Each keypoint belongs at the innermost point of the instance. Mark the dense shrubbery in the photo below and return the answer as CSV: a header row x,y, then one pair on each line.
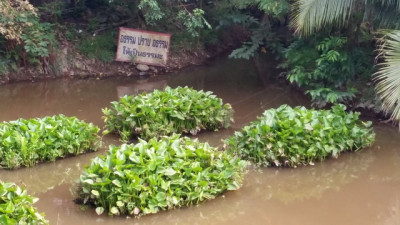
x,y
327,70
175,110
27,142
298,136
16,206
158,175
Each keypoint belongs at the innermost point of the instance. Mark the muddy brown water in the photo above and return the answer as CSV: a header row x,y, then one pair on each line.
x,y
357,188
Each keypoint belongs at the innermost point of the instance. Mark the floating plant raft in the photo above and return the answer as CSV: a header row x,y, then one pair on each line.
x,y
16,206
28,142
298,136
159,113
158,175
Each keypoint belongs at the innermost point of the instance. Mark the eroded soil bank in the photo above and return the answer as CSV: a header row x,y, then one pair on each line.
x,y
67,62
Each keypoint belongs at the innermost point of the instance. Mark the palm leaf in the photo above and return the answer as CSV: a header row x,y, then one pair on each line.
x,y
389,3
311,15
388,76
386,13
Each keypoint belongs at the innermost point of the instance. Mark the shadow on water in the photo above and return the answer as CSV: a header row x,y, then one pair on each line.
x,y
357,188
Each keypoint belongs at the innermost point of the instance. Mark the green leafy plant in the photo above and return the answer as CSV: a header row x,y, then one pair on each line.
x,y
27,142
152,11
158,175
38,40
327,69
298,136
175,110
348,14
26,38
193,21
53,10
16,206
259,17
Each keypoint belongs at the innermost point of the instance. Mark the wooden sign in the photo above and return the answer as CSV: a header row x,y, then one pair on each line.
x,y
143,47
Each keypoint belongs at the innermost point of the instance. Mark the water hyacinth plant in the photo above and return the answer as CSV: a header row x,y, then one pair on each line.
x,y
175,110
298,136
158,175
16,206
27,142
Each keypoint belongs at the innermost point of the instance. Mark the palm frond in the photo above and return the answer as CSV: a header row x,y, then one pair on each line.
x,y
387,78
386,13
389,3
311,15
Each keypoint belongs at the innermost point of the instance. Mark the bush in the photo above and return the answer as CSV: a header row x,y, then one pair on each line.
x,y
158,175
16,206
327,69
179,110
298,136
27,142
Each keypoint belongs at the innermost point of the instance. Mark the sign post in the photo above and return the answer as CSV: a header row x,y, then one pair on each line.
x,y
143,47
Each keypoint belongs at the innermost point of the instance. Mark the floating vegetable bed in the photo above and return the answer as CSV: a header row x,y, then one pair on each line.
x,y
158,175
16,206
298,136
27,142
179,110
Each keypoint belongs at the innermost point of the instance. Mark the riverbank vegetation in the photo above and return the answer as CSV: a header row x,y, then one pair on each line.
x,y
28,142
159,113
158,175
16,206
330,55
298,136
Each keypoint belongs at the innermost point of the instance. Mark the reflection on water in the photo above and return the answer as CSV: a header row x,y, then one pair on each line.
x,y
357,188
141,86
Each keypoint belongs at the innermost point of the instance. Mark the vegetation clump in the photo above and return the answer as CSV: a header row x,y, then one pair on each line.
x,y
16,206
158,175
27,142
175,110
298,136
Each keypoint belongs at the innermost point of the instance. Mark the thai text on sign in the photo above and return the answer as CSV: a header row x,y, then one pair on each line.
x,y
143,47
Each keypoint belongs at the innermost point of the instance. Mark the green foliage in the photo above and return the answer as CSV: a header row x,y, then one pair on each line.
x,y
298,136
158,175
27,142
38,40
53,10
356,16
276,8
152,11
20,26
15,17
193,21
249,48
101,47
327,69
16,206
175,110
3,66
262,35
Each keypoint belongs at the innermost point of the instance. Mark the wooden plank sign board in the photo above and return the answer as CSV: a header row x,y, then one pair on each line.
x,y
143,47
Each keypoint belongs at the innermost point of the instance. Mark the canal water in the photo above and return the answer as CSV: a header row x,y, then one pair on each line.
x,y
357,188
